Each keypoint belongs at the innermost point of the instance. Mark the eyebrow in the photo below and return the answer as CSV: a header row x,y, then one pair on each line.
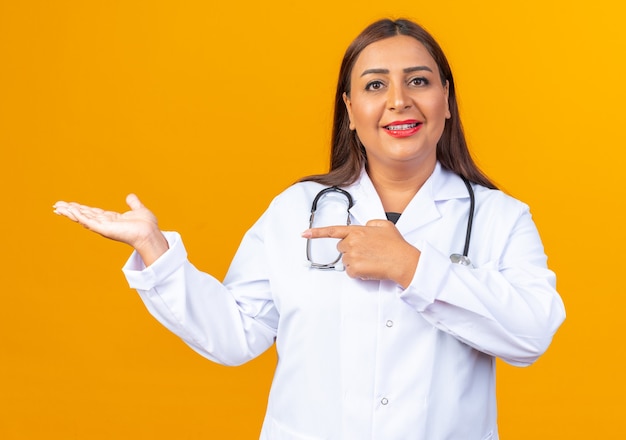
x,y
405,70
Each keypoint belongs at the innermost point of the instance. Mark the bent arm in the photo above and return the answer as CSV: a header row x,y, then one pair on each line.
x,y
507,307
201,310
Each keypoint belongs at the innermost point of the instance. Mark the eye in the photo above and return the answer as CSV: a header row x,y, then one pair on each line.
x,y
374,85
419,81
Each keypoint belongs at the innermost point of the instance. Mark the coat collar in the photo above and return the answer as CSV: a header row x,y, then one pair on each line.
x,y
422,209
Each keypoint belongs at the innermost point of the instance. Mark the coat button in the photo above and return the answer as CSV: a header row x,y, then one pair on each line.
x,y
389,323
384,401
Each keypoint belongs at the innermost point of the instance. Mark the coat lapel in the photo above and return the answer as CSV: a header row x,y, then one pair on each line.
x,y
423,209
367,205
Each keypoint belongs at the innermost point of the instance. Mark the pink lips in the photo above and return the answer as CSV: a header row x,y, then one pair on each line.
x,y
400,129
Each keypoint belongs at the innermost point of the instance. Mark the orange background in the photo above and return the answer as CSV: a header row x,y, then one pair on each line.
x,y
207,110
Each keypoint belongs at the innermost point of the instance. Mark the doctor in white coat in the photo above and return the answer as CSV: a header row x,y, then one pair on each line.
x,y
420,276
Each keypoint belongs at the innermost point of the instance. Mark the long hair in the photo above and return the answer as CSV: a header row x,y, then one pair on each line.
x,y
348,156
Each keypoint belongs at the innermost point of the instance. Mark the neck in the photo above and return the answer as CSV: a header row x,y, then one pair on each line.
x,y
397,187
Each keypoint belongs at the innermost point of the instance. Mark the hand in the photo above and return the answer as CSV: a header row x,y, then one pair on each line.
x,y
137,227
376,251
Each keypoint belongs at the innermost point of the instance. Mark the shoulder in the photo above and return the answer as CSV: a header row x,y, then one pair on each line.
x,y
497,200
293,203
499,215
448,186
298,193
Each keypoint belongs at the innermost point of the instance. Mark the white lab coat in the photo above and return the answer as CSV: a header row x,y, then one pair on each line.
x,y
368,359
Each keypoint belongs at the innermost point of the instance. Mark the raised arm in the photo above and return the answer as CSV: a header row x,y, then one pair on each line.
x,y
137,227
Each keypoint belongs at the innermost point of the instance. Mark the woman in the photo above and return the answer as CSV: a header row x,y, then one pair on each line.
x,y
402,344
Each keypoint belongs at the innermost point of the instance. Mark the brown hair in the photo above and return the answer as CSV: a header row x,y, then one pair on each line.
x,y
348,154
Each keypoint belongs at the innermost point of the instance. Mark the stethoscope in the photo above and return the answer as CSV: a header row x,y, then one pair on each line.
x,y
461,259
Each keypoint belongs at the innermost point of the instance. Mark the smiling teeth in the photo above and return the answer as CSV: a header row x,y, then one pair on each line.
x,y
401,127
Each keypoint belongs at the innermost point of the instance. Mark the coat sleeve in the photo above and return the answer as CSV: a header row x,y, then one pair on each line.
x,y
507,307
227,324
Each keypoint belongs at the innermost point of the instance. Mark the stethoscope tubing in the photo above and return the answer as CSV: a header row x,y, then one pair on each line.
x,y
470,217
455,258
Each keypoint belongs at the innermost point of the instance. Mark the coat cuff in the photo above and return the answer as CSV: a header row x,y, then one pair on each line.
x,y
141,277
429,277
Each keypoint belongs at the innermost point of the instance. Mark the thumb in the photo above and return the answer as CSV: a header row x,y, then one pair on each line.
x,y
133,202
379,223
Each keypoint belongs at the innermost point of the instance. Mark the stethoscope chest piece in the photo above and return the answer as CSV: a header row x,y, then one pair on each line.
x,y
463,260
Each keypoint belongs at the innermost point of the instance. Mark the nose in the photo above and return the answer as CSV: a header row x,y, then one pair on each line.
x,y
397,98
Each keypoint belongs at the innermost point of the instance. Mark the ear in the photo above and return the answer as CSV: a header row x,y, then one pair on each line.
x,y
446,89
348,103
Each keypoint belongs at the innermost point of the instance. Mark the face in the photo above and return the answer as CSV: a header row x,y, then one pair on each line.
x,y
397,103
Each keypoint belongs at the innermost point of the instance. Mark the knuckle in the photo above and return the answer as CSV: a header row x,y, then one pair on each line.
x,y
350,271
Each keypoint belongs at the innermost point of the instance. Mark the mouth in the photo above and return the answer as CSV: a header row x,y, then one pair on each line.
x,y
403,128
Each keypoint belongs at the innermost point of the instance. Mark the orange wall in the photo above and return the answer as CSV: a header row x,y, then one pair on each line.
x,y
207,111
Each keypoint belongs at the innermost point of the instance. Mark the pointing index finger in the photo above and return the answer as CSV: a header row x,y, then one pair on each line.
x,y
327,232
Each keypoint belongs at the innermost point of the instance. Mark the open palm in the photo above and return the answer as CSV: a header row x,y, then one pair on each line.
x,y
132,227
